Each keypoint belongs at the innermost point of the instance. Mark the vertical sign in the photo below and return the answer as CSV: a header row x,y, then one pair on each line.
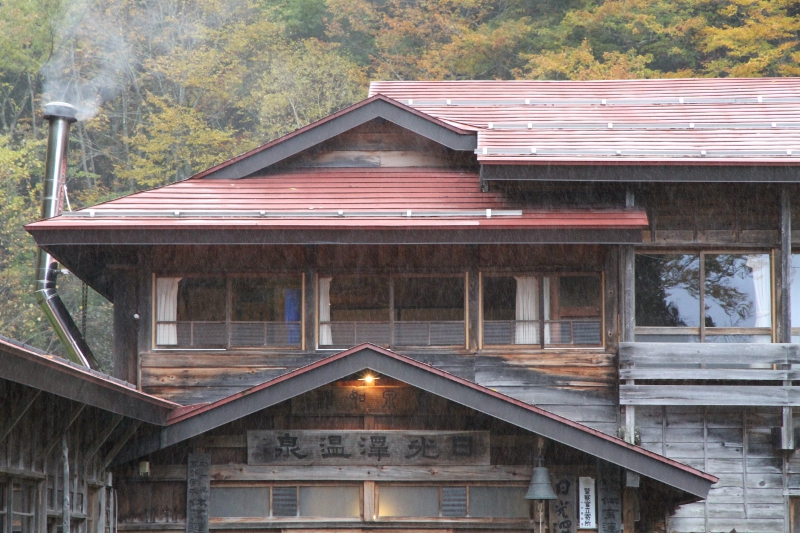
x,y
609,502
198,479
586,504
562,510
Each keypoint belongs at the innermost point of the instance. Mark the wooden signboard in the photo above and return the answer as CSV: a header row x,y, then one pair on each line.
x,y
354,401
586,503
198,488
563,511
359,448
609,501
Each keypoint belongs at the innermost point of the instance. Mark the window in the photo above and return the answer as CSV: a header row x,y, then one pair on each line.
x,y
392,310
734,292
795,291
22,508
405,501
229,312
285,501
571,307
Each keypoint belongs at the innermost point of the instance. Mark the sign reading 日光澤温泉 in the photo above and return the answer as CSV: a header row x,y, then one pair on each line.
x,y
379,448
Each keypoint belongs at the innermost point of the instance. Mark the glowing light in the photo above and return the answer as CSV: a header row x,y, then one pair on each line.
x,y
369,379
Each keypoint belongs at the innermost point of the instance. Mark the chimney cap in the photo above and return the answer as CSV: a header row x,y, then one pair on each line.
x,y
61,110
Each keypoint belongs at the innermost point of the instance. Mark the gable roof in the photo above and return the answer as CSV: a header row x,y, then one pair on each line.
x,y
33,368
191,421
618,122
374,107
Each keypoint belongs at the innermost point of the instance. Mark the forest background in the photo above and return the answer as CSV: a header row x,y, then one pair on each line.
x,y
174,86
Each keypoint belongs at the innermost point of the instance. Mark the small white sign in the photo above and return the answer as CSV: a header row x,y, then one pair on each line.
x,y
586,504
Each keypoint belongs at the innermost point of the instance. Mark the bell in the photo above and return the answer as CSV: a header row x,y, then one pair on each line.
x,y
540,488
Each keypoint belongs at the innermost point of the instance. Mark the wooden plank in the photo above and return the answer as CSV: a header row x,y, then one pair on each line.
x,y
18,411
121,441
785,272
708,395
101,438
224,360
695,374
673,353
242,472
349,447
198,489
211,377
358,400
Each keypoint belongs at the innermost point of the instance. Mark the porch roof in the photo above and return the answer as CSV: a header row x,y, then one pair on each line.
x,y
190,421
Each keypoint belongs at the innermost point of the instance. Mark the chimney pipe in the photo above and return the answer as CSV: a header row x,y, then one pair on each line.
x,y
60,115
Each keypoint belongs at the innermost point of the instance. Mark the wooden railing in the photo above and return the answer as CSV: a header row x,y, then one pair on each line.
x,y
653,373
398,333
219,334
580,332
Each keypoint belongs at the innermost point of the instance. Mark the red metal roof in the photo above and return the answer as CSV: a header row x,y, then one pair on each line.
x,y
663,121
376,198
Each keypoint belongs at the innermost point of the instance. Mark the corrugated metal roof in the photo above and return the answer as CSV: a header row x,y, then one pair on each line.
x,y
680,121
380,198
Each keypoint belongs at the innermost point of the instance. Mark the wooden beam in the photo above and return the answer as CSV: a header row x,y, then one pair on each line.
x,y
785,317
244,472
102,437
123,439
708,395
676,353
66,508
71,418
21,409
628,286
695,374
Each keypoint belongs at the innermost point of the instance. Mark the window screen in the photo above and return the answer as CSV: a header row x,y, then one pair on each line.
x,y
330,502
226,502
408,501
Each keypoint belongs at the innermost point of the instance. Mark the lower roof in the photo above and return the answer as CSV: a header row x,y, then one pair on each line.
x,y
191,421
317,206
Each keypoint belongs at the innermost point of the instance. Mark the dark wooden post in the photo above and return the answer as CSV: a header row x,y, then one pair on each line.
x,y
785,323
65,505
310,303
125,323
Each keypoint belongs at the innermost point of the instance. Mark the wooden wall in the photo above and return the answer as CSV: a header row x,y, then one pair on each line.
x,y
734,444
580,384
31,427
377,143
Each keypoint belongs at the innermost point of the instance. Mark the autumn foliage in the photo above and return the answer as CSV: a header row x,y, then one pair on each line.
x,y
175,86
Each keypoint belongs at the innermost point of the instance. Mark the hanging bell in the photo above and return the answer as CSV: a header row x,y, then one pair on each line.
x,y
540,488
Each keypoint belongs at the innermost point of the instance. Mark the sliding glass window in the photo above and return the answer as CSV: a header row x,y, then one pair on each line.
x,y
734,292
397,310
571,308
229,311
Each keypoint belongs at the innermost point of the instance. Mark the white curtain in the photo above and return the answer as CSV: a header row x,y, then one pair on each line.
x,y
167,311
325,337
527,308
763,295
546,296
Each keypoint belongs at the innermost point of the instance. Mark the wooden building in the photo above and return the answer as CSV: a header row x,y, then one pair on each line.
x,y
386,319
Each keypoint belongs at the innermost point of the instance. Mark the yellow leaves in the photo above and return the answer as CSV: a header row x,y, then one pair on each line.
x,y
174,144
580,64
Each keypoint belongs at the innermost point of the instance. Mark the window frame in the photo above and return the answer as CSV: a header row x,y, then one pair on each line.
x,y
7,512
391,276
540,275
297,485
702,331
228,277
441,485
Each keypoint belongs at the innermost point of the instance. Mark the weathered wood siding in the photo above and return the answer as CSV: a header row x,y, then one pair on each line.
x,y
580,384
377,143
732,443
31,427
